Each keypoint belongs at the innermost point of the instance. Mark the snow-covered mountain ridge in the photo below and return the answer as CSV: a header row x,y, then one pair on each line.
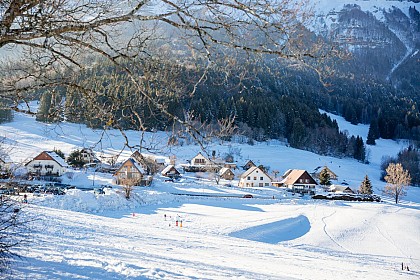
x,y
380,32
376,7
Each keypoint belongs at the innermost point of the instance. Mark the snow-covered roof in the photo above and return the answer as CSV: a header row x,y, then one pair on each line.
x,y
251,170
287,172
293,176
137,165
340,188
223,170
57,158
167,169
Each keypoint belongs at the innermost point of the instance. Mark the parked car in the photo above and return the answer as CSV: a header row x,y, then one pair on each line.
x,y
248,196
98,191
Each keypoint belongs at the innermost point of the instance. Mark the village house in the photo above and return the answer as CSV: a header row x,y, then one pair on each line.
x,y
340,189
254,177
318,170
131,173
199,159
150,163
226,173
248,165
299,181
171,172
47,163
200,163
88,156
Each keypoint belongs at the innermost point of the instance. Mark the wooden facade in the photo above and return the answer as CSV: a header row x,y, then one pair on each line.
x,y
299,181
226,173
131,174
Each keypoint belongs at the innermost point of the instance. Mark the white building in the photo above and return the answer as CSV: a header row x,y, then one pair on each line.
x,y
254,177
47,163
200,160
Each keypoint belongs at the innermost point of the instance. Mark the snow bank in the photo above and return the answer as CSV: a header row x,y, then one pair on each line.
x,y
283,230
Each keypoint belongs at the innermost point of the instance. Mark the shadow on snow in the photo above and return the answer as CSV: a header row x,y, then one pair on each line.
x,y
276,232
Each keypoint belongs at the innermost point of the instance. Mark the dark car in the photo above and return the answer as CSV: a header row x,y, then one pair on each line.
x,y
248,196
99,191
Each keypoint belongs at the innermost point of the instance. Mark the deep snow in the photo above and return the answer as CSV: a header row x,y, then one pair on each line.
x,y
271,236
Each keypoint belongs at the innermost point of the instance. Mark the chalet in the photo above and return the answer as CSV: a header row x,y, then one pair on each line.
x,y
131,173
199,159
88,156
299,181
318,170
171,172
230,165
47,163
340,189
226,173
254,177
200,163
150,163
248,165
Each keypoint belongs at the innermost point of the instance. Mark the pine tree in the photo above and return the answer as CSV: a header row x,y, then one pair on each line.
x,y
324,177
59,152
370,137
50,107
75,159
44,108
298,134
373,133
359,149
366,186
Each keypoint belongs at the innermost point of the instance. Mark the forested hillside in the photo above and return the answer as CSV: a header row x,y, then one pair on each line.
x,y
375,83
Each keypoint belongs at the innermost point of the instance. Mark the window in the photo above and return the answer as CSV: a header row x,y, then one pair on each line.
x,y
267,184
260,184
306,180
261,178
199,161
255,178
300,180
248,178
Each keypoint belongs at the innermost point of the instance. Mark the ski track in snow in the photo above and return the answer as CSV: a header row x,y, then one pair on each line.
x,y
329,235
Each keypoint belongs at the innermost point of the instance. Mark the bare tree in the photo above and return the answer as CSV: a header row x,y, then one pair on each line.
x,y
397,180
215,171
128,189
13,230
58,41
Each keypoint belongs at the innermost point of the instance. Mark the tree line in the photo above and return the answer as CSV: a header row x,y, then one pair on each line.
x,y
262,108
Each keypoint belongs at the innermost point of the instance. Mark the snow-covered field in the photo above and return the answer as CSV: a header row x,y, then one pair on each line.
x,y
271,236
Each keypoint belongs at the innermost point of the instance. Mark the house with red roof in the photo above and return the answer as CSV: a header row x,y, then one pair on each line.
x,y
47,163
